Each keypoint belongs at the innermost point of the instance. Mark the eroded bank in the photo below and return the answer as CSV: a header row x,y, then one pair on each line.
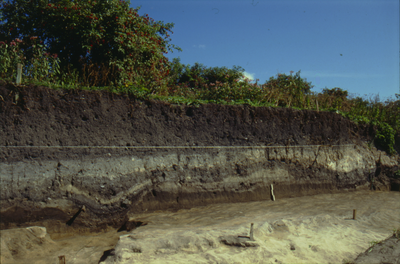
x,y
86,161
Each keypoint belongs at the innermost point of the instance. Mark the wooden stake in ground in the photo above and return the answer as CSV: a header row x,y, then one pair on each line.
x,y
272,192
354,214
61,260
19,73
251,232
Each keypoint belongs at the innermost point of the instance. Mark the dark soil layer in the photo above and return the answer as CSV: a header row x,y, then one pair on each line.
x,y
33,117
38,116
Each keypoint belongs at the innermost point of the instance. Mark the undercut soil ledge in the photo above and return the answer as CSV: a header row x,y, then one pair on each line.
x,y
77,161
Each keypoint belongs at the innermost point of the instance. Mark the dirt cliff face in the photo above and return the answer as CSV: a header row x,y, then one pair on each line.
x,y
92,159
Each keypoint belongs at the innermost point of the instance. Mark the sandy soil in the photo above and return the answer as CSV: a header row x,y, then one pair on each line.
x,y
312,229
21,247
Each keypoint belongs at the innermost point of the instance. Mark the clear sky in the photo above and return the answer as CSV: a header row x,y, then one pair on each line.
x,y
349,44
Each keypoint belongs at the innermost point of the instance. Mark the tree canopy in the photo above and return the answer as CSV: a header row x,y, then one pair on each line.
x,y
103,33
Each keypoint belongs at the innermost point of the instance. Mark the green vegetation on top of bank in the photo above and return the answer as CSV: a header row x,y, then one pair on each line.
x,y
106,45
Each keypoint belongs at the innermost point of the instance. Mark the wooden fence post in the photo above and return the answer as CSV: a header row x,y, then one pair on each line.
x,y
19,73
251,232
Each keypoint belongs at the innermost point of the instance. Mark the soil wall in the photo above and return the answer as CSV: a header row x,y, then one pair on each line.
x,y
94,159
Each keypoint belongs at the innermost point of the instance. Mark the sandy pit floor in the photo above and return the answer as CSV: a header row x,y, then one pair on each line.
x,y
310,229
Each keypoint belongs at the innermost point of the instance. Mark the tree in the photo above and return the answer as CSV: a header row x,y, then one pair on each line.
x,y
102,33
336,97
291,84
198,75
336,92
294,86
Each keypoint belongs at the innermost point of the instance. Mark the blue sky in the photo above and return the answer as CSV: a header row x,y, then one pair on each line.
x,y
349,44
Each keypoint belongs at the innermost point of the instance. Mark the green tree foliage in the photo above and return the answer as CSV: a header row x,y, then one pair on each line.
x,y
213,84
294,86
290,83
193,76
385,137
337,92
176,71
106,34
334,98
198,75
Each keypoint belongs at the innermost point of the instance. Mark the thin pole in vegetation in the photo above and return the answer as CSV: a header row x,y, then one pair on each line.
x,y
354,214
19,73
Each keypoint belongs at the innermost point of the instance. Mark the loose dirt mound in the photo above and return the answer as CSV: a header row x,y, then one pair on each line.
x,y
386,251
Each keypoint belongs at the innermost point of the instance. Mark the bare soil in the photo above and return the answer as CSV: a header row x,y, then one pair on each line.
x,y
312,229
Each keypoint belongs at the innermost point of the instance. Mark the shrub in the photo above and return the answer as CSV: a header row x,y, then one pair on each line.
x,y
293,87
237,91
385,137
334,99
198,75
38,64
